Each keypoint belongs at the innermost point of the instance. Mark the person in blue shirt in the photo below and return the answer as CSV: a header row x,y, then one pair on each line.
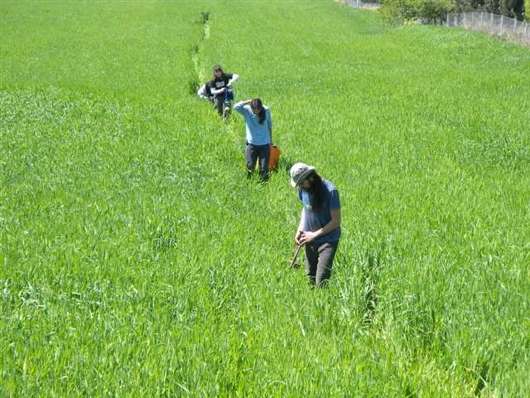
x,y
258,127
319,227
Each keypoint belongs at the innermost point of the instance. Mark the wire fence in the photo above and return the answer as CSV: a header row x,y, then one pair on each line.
x,y
362,4
481,21
498,25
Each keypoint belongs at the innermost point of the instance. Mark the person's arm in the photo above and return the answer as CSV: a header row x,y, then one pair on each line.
x,y
211,90
300,230
216,91
240,106
235,78
269,123
334,223
202,92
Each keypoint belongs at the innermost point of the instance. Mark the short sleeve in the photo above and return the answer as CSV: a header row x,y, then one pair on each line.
x,y
334,200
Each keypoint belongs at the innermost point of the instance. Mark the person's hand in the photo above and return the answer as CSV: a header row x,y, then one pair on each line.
x,y
307,237
298,236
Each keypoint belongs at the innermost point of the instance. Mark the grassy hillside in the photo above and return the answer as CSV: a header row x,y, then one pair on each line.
x,y
136,259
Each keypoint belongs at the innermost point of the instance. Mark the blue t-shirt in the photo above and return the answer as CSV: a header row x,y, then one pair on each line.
x,y
314,220
256,133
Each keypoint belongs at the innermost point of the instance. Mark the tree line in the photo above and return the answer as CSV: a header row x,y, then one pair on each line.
x,y
436,10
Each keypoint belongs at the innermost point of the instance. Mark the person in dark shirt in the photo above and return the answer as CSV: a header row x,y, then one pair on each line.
x,y
221,90
319,228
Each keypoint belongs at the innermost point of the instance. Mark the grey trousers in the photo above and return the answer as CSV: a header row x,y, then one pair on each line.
x,y
253,153
319,261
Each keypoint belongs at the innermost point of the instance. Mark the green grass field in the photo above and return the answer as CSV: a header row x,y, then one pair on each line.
x,y
137,260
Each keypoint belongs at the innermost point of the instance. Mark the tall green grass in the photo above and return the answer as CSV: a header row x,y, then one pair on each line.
x,y
136,259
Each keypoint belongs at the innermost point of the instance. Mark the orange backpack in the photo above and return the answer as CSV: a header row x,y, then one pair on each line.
x,y
274,157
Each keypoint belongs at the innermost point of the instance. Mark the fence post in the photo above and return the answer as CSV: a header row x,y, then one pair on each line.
x,y
502,24
481,19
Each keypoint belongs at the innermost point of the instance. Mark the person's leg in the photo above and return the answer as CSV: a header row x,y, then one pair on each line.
x,y
227,104
326,254
311,262
218,102
251,157
228,101
264,162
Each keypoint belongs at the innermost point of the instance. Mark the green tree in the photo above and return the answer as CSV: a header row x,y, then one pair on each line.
x,y
430,10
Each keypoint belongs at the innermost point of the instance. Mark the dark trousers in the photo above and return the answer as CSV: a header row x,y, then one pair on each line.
x,y
223,100
319,261
254,153
219,104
